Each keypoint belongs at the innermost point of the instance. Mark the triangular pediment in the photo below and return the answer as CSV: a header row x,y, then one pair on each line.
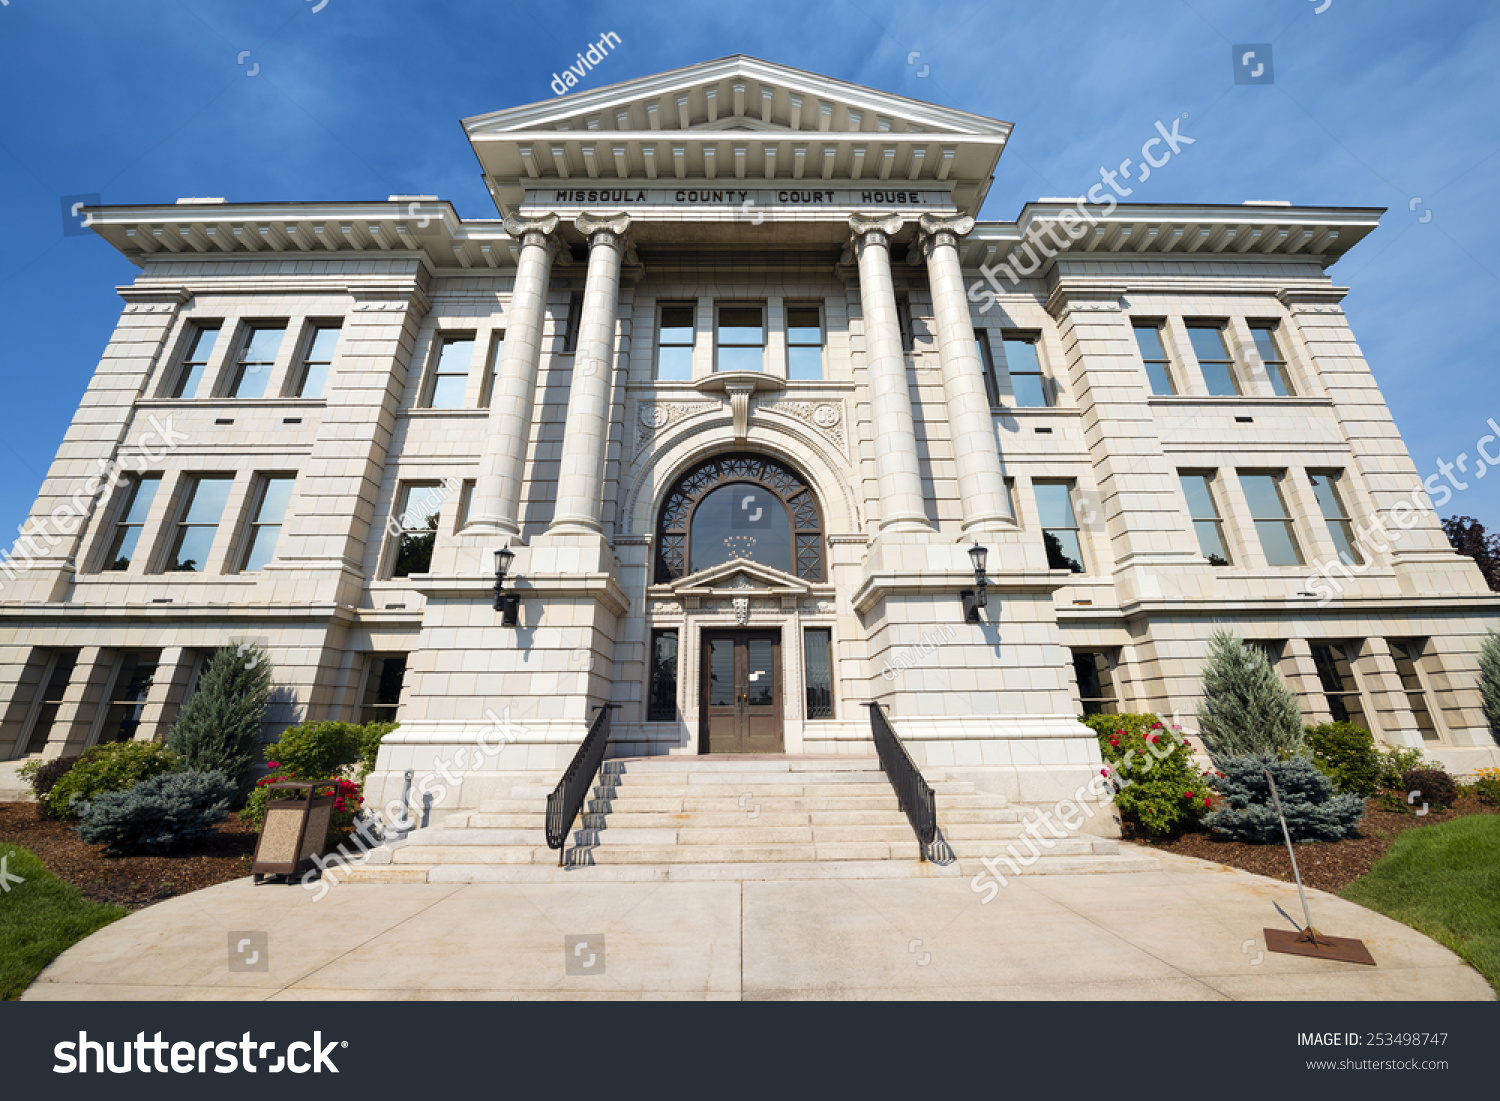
x,y
741,575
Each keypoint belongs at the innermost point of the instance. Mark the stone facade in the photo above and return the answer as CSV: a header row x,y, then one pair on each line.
x,y
918,435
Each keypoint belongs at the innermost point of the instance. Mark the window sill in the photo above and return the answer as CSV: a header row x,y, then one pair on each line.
x,y
231,403
424,412
1246,399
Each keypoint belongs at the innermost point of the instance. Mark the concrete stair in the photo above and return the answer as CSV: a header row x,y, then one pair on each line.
x,y
730,818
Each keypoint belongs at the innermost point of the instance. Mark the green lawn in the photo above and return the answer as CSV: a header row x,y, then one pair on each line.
x,y
1443,880
39,918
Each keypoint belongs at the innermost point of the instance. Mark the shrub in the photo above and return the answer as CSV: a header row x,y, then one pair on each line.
x,y
219,728
1345,753
371,735
158,815
1487,786
1158,787
1313,811
114,766
1489,681
1246,708
348,799
1432,785
43,776
317,749
1395,760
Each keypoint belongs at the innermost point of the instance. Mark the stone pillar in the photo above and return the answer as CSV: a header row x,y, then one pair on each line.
x,y
496,506
981,482
165,697
586,431
902,505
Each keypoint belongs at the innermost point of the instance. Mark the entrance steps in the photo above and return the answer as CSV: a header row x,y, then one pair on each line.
x,y
678,818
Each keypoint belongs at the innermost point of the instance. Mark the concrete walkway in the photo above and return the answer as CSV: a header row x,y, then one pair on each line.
x,y
1189,931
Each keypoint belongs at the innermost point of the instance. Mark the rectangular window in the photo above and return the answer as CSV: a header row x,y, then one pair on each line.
x,y
312,377
1407,654
676,332
1325,485
383,679
1198,488
1054,501
1031,389
1010,498
265,529
574,321
1273,523
1213,360
450,372
491,366
903,319
418,521
804,343
465,503
1154,356
661,706
741,338
135,506
1336,675
817,662
1270,355
202,507
987,365
55,687
257,359
127,699
195,362
1096,681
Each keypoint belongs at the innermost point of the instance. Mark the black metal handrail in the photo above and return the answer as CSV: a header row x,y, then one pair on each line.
x,y
567,798
913,792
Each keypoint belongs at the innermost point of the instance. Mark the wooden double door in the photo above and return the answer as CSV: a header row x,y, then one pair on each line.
x,y
740,701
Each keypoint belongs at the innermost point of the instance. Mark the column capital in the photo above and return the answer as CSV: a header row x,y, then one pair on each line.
x,y
939,229
862,226
539,231
609,230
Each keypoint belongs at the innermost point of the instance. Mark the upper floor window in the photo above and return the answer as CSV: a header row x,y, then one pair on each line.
x,y
1028,384
1054,501
804,343
257,358
1214,360
1325,485
312,378
275,494
904,320
135,506
741,338
574,321
1154,355
198,522
987,364
450,372
676,331
1198,488
417,524
195,361
1273,523
1266,343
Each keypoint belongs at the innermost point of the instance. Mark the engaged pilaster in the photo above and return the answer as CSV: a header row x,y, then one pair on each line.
x,y
586,431
981,481
496,507
902,505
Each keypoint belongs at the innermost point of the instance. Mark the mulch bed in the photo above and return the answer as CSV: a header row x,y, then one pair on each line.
x,y
130,881
1327,865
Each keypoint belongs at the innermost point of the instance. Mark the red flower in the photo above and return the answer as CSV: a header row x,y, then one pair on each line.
x,y
1186,742
1187,794
272,764
1156,726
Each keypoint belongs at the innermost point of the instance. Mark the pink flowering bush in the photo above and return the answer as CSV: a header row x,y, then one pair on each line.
x,y
1159,789
348,798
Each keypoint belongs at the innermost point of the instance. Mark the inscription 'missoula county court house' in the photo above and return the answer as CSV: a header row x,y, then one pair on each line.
x,y
742,385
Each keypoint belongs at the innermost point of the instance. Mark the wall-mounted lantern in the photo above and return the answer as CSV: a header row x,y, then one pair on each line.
x,y
507,604
976,598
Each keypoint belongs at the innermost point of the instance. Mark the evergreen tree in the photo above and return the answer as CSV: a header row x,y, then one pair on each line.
x,y
1489,681
219,728
1246,708
1313,812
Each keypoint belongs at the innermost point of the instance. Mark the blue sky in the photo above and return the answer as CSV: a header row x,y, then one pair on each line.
x,y
1375,103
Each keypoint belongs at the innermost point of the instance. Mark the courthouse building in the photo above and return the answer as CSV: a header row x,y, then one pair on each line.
x,y
740,380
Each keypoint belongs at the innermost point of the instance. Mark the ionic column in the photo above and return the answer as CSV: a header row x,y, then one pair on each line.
x,y
496,507
981,482
586,432
902,506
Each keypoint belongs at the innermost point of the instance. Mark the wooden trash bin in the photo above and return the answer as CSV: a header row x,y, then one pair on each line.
x,y
295,828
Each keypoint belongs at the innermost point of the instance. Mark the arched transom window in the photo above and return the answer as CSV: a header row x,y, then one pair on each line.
x,y
740,506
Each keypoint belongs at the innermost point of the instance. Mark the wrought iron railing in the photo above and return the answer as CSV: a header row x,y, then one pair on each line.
x,y
568,797
913,792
